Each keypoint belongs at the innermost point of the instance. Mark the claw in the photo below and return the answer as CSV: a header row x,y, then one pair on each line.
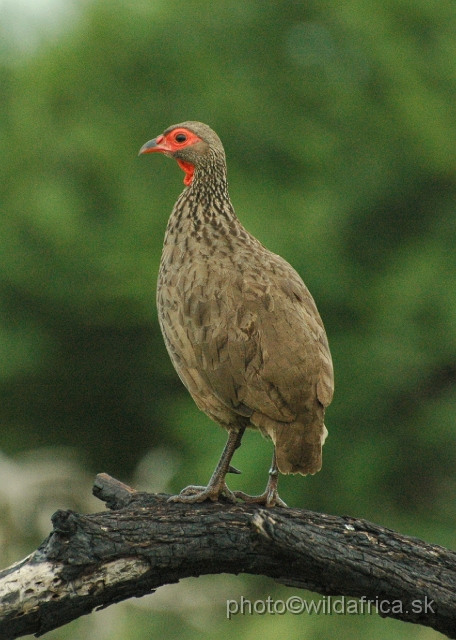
x,y
194,493
217,486
268,498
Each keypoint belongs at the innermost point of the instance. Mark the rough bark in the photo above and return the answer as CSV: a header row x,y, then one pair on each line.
x,y
144,542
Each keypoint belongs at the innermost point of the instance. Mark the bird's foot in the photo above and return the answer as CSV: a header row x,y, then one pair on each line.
x,y
194,493
270,498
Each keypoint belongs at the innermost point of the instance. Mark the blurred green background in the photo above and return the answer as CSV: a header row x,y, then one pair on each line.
x,y
339,124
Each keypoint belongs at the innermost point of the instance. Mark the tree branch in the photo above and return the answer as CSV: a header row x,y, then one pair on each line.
x,y
144,542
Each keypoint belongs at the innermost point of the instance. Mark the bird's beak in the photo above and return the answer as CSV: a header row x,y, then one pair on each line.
x,y
159,144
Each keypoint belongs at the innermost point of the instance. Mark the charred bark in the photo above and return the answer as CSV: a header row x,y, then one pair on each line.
x,y
144,542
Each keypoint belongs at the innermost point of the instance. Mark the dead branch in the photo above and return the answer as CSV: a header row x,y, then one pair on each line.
x,y
144,542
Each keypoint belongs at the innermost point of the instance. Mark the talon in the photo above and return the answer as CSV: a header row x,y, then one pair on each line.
x,y
194,493
269,499
217,485
192,489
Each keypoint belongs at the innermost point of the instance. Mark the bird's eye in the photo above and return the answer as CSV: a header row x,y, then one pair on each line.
x,y
181,137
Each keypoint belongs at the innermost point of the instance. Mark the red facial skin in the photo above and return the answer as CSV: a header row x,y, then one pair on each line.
x,y
189,171
168,145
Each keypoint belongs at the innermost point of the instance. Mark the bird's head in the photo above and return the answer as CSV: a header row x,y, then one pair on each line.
x,y
192,144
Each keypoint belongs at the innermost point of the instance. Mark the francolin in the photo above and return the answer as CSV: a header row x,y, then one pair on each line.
x,y
240,326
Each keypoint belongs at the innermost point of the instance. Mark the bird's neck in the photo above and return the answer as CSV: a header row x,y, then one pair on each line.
x,y
204,208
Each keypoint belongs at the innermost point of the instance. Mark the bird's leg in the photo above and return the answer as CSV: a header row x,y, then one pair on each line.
x,y
217,485
270,497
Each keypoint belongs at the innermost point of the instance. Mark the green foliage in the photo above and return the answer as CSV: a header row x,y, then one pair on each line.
x,y
339,125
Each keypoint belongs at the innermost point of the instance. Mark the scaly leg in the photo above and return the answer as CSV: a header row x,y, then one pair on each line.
x,y
270,497
217,485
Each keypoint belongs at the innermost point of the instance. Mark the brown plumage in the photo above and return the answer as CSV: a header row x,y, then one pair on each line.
x,y
240,326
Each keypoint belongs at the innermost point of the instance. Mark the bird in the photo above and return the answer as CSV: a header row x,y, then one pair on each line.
x,y
240,326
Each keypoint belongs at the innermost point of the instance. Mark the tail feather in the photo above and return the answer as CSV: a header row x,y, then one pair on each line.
x,y
298,447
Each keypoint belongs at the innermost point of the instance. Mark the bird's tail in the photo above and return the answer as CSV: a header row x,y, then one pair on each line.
x,y
298,447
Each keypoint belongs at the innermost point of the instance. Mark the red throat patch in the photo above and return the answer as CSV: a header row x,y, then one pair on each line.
x,y
189,171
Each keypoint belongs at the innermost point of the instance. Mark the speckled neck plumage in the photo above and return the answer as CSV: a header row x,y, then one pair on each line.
x,y
204,211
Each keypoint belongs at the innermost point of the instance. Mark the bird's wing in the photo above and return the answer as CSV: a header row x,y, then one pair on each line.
x,y
258,341
300,296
